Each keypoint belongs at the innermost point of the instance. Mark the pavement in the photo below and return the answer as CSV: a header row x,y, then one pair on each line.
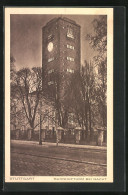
x,y
102,148
28,158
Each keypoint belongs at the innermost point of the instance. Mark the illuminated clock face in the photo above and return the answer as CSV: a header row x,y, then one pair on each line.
x,y
50,46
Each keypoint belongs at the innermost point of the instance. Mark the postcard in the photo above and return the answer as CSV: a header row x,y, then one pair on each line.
x,y
59,95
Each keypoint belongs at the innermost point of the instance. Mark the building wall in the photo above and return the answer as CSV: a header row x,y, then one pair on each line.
x,y
69,47
65,52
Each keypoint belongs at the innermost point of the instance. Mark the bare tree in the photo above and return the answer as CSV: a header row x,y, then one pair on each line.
x,y
88,88
27,87
82,97
98,42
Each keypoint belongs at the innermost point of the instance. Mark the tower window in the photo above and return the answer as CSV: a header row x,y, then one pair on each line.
x,y
49,36
50,59
70,47
70,33
50,71
50,83
70,59
70,70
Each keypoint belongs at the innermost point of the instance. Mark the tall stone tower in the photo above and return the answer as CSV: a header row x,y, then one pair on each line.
x,y
61,50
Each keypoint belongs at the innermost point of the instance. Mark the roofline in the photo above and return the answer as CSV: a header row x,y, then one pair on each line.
x,y
61,18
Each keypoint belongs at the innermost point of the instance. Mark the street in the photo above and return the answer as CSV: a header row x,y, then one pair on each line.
x,y
49,160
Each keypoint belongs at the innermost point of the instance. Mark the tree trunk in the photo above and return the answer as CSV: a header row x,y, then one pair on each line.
x,y
104,116
86,124
90,125
32,129
90,122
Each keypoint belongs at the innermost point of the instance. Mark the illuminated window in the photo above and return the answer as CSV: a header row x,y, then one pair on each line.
x,y
50,71
70,47
50,36
50,59
70,70
50,83
70,33
70,59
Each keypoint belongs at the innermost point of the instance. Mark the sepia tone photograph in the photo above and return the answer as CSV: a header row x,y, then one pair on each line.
x,y
60,83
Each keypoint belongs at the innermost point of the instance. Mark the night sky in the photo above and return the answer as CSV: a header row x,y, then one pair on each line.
x,y
26,37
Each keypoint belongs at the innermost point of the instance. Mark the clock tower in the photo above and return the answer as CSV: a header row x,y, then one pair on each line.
x,y
61,50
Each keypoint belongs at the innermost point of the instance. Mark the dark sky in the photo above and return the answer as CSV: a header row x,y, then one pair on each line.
x,y
26,37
